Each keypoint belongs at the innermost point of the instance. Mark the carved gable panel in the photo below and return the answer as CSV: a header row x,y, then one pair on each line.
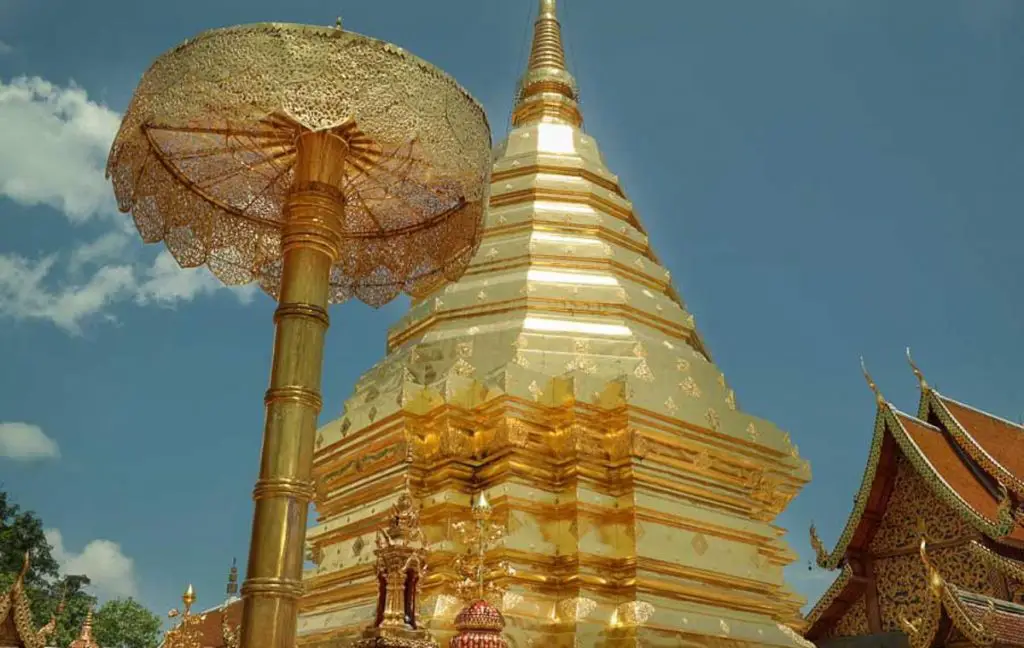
x,y
912,503
852,624
902,581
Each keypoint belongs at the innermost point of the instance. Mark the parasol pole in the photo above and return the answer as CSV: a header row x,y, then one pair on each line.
x,y
311,243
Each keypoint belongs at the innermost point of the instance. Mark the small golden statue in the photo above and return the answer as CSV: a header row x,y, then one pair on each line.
x,y
401,563
480,623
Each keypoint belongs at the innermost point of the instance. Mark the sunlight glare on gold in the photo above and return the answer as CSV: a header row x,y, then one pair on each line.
x,y
574,326
555,138
551,276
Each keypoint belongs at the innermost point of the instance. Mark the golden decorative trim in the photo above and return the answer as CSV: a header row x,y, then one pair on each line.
x,y
551,169
1006,566
294,394
587,198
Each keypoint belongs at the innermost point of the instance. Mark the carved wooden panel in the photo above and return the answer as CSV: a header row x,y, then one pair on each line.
x,y
1016,590
852,624
911,505
901,582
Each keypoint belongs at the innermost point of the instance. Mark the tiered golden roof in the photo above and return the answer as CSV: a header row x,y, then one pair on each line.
x,y
565,378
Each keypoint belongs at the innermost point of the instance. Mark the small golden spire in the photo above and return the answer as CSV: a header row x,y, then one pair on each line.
x,y
547,92
85,639
547,50
480,504
917,372
188,598
871,383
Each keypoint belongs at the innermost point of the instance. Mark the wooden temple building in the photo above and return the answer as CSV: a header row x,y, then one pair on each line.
x,y
933,552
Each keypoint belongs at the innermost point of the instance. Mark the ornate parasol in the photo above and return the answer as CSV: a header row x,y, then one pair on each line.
x,y
325,165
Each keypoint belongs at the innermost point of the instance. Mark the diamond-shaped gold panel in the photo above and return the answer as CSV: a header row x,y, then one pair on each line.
x,y
699,544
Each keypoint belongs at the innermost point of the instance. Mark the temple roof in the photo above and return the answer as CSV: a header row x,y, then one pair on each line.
x,y
16,628
963,455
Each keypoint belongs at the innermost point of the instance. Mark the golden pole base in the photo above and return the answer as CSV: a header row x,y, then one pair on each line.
x,y
311,243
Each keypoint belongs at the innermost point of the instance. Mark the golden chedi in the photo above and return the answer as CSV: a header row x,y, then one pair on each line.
x,y
563,377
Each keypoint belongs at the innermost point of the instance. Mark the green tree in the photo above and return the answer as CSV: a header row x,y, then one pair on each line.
x,y
118,624
124,623
77,602
21,532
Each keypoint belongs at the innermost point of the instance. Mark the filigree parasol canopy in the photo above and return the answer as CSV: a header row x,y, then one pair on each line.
x,y
204,157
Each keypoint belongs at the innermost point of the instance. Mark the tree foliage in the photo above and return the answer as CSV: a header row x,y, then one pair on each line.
x,y
117,624
124,623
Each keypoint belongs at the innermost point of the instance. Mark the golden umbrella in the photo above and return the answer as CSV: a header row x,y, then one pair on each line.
x,y
325,165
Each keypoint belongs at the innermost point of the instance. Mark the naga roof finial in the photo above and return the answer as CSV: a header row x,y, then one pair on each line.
x,y
917,372
871,383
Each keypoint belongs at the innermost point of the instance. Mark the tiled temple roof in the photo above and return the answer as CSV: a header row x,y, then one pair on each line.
x,y
971,460
966,462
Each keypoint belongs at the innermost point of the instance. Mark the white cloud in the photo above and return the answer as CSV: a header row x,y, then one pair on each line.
x,y
111,572
28,293
53,147
5,48
110,246
26,442
52,152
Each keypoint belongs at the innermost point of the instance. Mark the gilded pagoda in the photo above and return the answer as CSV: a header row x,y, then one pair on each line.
x,y
564,378
933,552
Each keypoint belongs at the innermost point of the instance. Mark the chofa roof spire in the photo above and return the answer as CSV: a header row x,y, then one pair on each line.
x,y
547,92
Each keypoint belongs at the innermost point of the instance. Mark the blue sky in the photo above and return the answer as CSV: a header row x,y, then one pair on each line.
x,y
825,179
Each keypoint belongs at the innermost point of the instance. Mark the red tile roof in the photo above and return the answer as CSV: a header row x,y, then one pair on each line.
x,y
1001,439
1003,620
952,467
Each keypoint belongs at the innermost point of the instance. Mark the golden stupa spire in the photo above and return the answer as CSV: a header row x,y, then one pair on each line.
x,y
544,373
547,92
85,638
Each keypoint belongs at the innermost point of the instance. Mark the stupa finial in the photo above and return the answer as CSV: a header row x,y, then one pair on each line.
x,y
547,92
